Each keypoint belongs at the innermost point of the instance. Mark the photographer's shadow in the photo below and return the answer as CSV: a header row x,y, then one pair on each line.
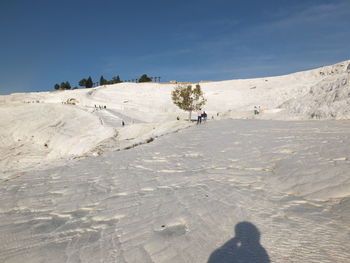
x,y
243,248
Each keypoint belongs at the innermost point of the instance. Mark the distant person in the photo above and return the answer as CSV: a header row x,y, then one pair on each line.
x,y
204,116
255,110
178,118
123,123
199,116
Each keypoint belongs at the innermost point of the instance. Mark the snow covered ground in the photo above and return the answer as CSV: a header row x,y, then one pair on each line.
x,y
180,197
77,186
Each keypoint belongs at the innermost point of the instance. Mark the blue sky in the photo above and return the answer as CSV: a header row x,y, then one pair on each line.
x,y
44,42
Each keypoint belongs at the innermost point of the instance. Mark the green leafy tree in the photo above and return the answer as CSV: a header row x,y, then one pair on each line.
x,y
82,82
117,79
188,98
57,86
68,86
103,81
145,78
63,86
89,83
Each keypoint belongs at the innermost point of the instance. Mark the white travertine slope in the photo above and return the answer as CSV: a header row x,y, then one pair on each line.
x,y
328,99
321,93
181,197
31,134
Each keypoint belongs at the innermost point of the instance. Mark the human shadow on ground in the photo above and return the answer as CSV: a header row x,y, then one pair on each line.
x,y
243,248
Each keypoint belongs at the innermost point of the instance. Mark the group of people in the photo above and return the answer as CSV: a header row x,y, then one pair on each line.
x,y
100,107
201,115
256,110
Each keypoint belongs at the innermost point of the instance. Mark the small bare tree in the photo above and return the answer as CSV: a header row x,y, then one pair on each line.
x,y
188,98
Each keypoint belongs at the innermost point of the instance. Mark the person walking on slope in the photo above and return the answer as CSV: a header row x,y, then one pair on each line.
x,y
255,110
199,118
204,116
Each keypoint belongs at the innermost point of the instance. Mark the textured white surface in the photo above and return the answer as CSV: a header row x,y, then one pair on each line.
x,y
179,198
31,120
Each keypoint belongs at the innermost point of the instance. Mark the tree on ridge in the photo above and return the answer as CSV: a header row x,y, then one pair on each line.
x,y
103,81
188,98
82,82
144,78
89,83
